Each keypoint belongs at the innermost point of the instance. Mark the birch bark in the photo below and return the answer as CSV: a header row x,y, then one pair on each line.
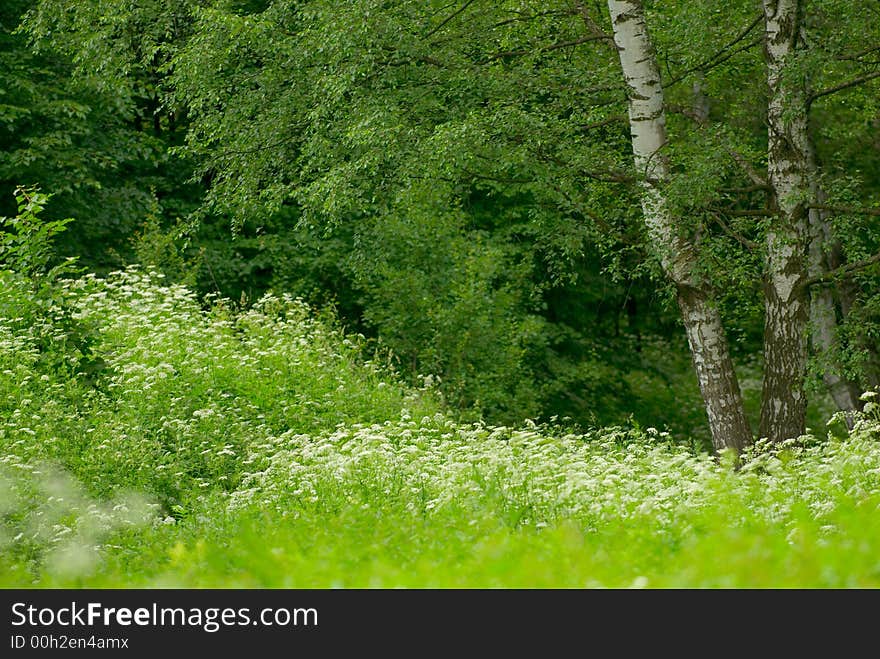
x,y
677,254
786,308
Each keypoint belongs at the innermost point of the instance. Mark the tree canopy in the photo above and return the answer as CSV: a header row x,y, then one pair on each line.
x,y
458,179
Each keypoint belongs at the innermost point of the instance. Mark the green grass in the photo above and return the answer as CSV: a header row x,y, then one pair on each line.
x,y
146,441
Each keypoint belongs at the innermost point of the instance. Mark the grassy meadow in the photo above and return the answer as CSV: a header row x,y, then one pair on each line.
x,y
150,439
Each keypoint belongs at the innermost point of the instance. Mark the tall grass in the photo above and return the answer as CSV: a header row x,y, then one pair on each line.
x,y
148,439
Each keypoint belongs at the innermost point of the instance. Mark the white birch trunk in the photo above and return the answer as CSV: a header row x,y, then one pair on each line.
x,y
784,403
702,320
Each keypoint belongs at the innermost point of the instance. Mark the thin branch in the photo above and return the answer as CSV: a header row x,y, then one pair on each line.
x,y
603,177
542,49
594,28
601,222
609,177
575,42
617,118
749,213
752,173
722,55
842,270
855,57
855,210
717,62
746,166
255,149
689,112
530,17
445,179
449,18
844,85
443,8
746,190
423,59
745,242
498,179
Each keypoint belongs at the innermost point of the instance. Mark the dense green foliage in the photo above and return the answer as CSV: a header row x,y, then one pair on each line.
x,y
459,190
146,441
292,295
98,153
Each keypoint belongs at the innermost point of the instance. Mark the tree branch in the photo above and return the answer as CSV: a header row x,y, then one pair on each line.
x,y
842,270
722,55
498,179
592,26
855,57
855,210
752,173
844,85
555,46
590,215
449,18
745,190
750,213
609,177
254,149
603,177
530,17
745,242
423,59
614,119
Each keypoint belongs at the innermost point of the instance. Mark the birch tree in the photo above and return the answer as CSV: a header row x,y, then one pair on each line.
x,y
479,160
799,241
677,253
789,166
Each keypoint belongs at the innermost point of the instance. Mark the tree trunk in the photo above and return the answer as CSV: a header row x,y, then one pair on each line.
x,y
823,314
783,401
702,319
714,368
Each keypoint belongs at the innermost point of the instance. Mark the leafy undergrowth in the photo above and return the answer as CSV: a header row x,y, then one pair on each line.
x,y
145,441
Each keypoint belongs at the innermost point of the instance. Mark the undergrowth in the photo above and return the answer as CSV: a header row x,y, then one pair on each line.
x,y
149,438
